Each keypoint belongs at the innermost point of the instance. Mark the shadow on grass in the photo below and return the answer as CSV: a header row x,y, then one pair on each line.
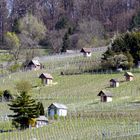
x,y
93,103
5,131
122,81
135,102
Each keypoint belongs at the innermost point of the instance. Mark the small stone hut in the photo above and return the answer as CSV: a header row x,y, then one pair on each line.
x,y
129,76
46,78
57,109
38,122
86,52
41,121
106,96
33,65
114,83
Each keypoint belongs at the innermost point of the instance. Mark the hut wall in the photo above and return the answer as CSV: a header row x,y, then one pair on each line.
x,y
117,84
48,81
114,84
128,78
87,54
62,112
109,99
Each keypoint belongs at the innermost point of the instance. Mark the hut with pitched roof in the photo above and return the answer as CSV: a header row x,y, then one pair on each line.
x,y
106,96
129,76
86,52
33,65
57,109
46,78
114,83
41,121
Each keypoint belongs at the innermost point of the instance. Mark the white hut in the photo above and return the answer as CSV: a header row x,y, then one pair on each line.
x,y
106,96
46,78
57,109
41,121
114,83
86,52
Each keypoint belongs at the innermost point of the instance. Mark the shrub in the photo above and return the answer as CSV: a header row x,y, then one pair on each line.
x,y
40,108
1,95
56,117
7,95
23,86
14,68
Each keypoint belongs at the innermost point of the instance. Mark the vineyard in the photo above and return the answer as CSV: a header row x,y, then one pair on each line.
x,y
78,87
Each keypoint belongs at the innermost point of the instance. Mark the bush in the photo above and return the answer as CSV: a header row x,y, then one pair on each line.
x,y
56,117
1,95
7,95
14,68
23,86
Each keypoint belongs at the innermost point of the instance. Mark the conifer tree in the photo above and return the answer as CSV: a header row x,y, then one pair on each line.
x,y
41,108
25,108
66,43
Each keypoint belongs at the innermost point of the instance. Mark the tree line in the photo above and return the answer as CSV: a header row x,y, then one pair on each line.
x,y
74,23
124,52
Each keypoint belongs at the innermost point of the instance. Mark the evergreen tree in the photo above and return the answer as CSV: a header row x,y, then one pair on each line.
x,y
62,23
127,44
135,24
15,27
107,54
66,43
24,108
41,108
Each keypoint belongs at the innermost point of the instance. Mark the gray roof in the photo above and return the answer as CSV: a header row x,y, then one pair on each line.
x,y
86,50
59,106
42,118
128,74
46,75
36,62
105,93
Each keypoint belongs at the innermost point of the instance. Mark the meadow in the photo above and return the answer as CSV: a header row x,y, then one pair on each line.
x,y
87,118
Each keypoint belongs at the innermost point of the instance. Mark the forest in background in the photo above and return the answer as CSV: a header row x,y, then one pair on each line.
x,y
74,23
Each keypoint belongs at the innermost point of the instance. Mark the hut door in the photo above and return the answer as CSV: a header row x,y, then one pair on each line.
x,y
47,82
52,112
104,99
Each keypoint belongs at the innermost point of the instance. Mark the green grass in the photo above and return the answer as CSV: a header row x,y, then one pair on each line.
x,y
78,91
75,64
77,128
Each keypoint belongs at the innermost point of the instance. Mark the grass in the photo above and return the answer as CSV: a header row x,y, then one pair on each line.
x,y
77,128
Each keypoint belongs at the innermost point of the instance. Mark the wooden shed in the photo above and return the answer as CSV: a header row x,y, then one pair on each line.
x,y
86,52
114,83
33,65
129,76
106,96
46,78
57,109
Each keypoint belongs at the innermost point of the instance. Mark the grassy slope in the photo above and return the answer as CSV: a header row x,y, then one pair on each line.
x,y
77,91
